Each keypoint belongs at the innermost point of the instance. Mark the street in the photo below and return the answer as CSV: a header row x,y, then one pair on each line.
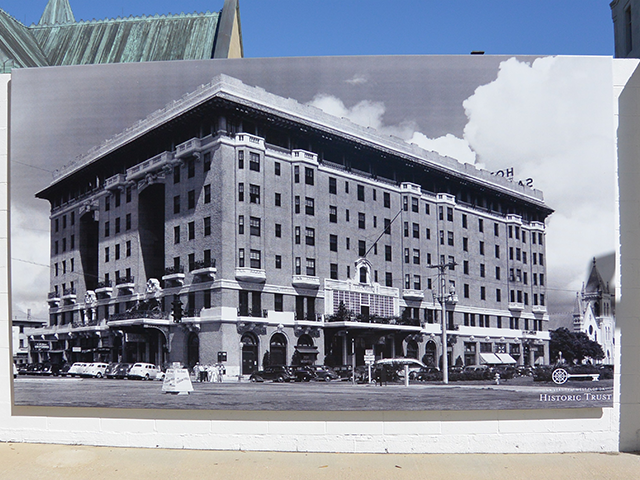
x,y
516,394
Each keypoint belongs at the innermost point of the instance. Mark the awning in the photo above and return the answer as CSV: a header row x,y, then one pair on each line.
x,y
490,358
307,350
506,358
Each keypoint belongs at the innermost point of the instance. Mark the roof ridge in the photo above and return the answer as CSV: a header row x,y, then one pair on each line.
x,y
133,18
13,18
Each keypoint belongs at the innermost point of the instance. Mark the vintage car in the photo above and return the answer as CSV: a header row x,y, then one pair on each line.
x,y
277,373
144,371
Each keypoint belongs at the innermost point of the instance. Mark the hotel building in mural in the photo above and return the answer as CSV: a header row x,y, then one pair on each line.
x,y
241,225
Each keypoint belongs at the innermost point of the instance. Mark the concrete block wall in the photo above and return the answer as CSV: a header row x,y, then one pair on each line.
x,y
571,430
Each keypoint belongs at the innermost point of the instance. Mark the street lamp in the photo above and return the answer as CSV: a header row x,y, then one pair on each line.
x,y
442,299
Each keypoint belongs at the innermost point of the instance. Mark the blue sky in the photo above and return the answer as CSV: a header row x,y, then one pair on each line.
x,y
369,27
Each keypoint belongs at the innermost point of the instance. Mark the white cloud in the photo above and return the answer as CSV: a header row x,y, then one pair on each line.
x,y
357,79
447,145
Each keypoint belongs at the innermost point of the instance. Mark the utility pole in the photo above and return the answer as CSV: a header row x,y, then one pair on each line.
x,y
442,298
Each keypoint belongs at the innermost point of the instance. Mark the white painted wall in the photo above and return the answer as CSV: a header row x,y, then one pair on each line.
x,y
572,430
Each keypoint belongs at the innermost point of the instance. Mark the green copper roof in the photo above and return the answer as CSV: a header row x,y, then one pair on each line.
x,y
57,11
133,39
58,39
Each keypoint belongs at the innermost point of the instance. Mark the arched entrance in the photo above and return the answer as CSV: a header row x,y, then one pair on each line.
x,y
412,349
278,349
430,353
306,352
249,354
193,349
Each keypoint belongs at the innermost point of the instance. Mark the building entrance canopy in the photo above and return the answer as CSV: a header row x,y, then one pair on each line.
x,y
496,358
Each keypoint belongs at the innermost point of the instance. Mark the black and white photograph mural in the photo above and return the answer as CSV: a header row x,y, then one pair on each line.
x,y
329,233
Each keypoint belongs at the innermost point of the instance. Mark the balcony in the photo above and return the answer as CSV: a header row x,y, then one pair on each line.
x,y
304,155
126,284
252,312
451,299
69,295
516,306
305,281
204,268
104,289
539,309
188,148
116,182
54,299
255,275
409,294
174,275
148,166
250,140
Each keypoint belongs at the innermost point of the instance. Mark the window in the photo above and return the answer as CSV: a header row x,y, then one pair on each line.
x,y
465,290
346,215
106,254
72,264
465,267
106,230
510,229
387,226
278,261
191,168
276,168
361,220
191,199
333,243
311,267
480,225
388,279
296,203
535,280
333,188
278,230
483,294
518,254
386,199
333,214
64,221
406,229
241,224
241,257
534,258
497,251
465,244
517,233
416,230
310,236
540,239
176,174
449,214
309,206
387,253
362,248
207,194
296,174
407,281
308,176
254,162
207,226
374,194
498,295
452,263
278,301
415,205
417,282
254,194
333,271
406,255
496,229
128,248
241,192
481,248
254,259
176,204
192,230
360,189
346,187
482,270
64,244
297,266
542,279
497,273
464,220
296,234
127,222
207,162
405,204
441,237
107,207
540,259
278,200
416,256
427,210
117,252
72,242
176,234
254,226
450,238
117,198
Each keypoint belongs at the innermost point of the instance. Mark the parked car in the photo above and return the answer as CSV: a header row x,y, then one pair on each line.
x,y
118,370
345,372
277,373
77,369
96,370
302,373
426,374
506,372
144,371
477,372
64,370
323,373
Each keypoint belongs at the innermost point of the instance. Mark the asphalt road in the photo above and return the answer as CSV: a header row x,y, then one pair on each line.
x,y
516,394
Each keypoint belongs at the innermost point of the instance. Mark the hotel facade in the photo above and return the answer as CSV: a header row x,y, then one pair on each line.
x,y
240,227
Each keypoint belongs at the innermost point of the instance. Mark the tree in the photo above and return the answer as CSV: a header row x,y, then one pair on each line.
x,y
575,346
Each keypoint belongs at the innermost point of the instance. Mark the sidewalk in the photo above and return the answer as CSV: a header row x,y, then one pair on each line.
x,y
53,462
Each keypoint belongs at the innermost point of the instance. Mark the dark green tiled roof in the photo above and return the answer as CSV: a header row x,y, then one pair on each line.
x,y
18,43
133,39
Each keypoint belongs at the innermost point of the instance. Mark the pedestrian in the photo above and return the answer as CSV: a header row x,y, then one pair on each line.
x,y
196,372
